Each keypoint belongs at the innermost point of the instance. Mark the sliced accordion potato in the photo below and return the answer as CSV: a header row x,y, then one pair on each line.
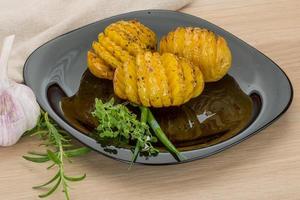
x,y
203,48
158,80
118,43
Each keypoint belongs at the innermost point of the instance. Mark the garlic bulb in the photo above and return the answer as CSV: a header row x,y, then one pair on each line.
x,y
19,110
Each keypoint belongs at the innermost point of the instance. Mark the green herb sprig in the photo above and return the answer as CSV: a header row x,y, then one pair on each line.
x,y
59,149
117,122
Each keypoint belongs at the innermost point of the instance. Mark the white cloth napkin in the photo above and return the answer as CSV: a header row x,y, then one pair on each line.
x,y
34,22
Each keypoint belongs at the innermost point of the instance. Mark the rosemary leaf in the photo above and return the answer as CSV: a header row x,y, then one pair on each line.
x,y
69,178
47,183
37,159
52,189
53,157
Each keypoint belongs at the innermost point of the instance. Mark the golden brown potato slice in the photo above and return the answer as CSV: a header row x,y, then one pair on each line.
x,y
162,80
130,78
189,79
199,79
119,83
175,78
98,67
142,82
153,87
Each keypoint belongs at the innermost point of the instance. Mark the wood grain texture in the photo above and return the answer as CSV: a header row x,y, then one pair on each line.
x,y
266,166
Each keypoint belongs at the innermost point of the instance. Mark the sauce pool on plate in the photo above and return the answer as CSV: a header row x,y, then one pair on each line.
x,y
219,113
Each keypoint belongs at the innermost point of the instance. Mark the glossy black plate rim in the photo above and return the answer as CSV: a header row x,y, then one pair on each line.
x,y
26,77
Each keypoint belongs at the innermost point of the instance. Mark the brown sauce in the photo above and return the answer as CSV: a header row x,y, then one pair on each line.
x,y
218,114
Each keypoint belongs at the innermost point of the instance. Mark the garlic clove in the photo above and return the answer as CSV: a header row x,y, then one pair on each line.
x,y
19,110
11,119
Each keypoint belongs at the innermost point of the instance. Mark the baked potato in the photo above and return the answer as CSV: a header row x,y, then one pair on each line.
x,y
119,42
202,47
158,80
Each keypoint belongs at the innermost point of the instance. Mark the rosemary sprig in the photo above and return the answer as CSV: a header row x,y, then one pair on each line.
x,y
59,149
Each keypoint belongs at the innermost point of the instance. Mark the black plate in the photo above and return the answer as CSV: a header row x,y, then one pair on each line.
x,y
62,61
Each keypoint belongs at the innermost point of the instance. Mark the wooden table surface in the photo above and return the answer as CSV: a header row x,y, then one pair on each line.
x,y
266,166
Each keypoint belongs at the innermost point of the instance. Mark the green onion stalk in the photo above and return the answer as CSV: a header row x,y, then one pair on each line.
x,y
161,135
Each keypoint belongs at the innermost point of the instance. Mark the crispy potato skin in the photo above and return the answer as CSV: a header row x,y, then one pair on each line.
x,y
202,47
158,80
